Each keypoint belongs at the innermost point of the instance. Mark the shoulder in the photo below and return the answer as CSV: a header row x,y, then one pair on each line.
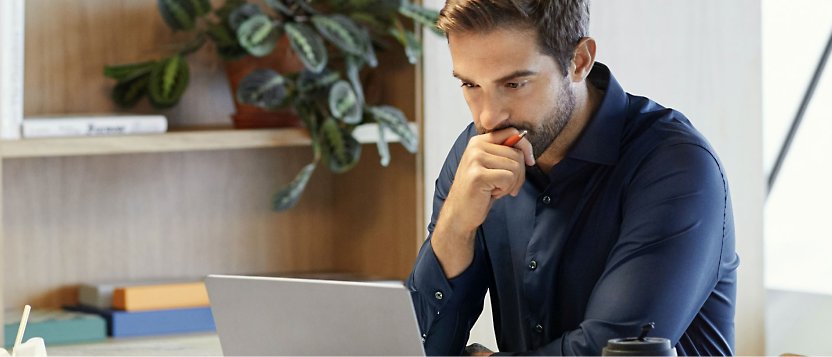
x,y
659,141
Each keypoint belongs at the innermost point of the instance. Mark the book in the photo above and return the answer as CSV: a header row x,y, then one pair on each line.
x,y
93,125
160,296
55,326
12,26
100,295
153,323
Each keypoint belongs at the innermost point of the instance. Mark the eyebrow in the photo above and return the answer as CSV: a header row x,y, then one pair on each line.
x,y
512,75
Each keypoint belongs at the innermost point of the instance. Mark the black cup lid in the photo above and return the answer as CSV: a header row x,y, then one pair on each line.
x,y
632,344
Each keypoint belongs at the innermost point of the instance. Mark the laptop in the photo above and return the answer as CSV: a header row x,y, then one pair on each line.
x,y
282,316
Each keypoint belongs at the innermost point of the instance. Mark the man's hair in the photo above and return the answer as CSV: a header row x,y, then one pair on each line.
x,y
559,24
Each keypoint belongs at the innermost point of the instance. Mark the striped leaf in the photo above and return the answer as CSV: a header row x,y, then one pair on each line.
x,y
243,13
306,6
340,150
353,67
394,119
178,14
383,148
425,17
308,46
258,35
412,46
310,81
264,88
341,32
168,81
343,103
279,6
128,92
289,196
126,72
226,42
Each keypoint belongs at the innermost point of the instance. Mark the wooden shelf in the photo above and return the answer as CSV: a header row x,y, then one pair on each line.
x,y
177,140
200,344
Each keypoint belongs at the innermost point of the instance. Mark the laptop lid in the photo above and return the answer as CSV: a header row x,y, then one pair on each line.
x,y
283,316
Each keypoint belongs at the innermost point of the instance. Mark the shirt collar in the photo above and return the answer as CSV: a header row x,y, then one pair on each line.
x,y
601,138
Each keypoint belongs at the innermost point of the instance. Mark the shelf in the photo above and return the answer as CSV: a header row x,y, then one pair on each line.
x,y
182,345
184,140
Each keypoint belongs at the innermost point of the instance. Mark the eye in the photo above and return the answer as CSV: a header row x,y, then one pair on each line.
x,y
515,85
468,85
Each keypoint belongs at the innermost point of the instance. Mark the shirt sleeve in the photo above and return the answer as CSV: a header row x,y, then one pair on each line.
x,y
666,261
447,309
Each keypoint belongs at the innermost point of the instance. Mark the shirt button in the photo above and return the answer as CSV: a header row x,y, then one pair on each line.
x,y
423,337
538,328
547,200
533,265
438,295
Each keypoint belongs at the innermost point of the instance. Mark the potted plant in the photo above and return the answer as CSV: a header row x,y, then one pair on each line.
x,y
313,53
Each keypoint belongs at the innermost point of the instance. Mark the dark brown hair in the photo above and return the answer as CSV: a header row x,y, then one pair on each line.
x,y
559,24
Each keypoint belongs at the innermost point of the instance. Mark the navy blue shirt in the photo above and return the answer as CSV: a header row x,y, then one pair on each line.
x,y
634,225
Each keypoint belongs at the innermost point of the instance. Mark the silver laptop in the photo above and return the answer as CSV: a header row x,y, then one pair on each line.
x,y
282,316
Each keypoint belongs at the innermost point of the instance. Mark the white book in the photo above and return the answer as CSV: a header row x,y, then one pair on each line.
x,y
93,125
11,67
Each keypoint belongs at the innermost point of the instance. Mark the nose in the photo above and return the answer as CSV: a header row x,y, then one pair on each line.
x,y
493,113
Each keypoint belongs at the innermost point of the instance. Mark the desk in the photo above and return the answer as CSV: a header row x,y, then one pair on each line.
x,y
181,345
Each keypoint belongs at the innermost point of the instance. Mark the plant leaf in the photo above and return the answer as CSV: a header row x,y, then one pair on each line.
x,y
280,6
126,72
201,7
412,46
226,42
227,8
289,196
264,88
306,7
128,92
394,119
168,81
310,81
308,46
340,150
341,32
343,103
243,13
178,14
424,16
383,148
258,35
353,66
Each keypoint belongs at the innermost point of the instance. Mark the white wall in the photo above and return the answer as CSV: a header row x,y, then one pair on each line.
x,y
701,57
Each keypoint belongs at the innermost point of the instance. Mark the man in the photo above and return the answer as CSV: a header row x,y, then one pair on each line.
x,y
611,213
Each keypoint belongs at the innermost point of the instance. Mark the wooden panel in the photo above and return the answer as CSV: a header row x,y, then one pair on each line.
x,y
376,215
69,41
70,220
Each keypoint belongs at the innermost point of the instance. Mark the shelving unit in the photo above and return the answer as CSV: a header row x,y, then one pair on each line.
x,y
176,140
189,202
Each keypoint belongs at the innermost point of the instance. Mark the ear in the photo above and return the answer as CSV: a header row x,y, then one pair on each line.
x,y
582,60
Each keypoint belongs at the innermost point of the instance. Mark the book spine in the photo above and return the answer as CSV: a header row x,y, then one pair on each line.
x,y
57,127
12,15
163,296
162,322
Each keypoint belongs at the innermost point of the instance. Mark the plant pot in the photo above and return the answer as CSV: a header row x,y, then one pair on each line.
x,y
283,60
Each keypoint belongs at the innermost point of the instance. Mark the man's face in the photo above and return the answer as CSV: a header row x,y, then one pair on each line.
x,y
507,82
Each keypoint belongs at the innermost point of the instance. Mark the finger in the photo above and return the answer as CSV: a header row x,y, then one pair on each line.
x,y
499,182
521,179
526,148
499,136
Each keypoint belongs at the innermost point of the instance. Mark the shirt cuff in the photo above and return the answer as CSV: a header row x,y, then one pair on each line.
x,y
430,281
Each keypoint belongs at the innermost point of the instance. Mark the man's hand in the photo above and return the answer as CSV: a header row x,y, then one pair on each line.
x,y
487,171
476,349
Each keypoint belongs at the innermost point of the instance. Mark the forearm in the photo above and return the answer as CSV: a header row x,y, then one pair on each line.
x,y
452,244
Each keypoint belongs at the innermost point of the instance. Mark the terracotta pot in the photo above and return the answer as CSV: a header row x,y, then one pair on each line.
x,y
283,60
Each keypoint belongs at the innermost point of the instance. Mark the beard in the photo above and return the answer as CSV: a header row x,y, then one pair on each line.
x,y
542,136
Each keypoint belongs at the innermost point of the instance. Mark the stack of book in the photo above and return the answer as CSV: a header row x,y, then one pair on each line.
x,y
55,326
148,308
